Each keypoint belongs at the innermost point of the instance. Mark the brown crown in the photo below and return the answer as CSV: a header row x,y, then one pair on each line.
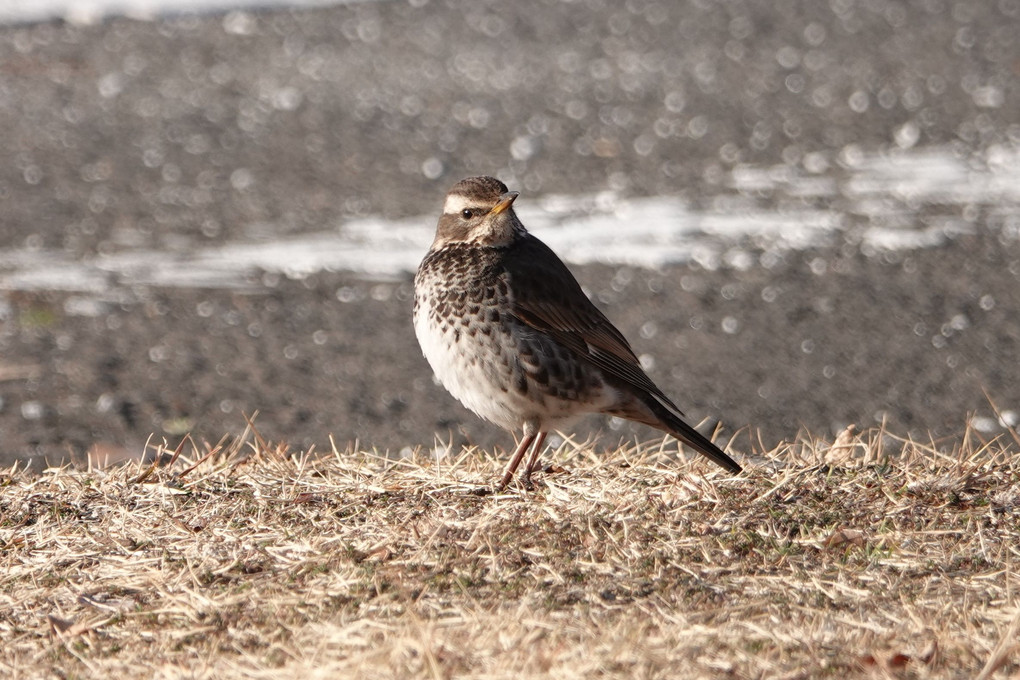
x,y
485,189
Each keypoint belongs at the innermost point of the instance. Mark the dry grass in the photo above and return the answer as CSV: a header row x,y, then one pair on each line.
x,y
869,557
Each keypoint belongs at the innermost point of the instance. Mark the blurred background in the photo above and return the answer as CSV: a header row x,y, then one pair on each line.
x,y
803,215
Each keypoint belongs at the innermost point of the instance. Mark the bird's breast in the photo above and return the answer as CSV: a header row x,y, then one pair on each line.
x,y
499,367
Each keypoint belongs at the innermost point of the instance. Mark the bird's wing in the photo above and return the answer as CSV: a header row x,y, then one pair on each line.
x,y
548,298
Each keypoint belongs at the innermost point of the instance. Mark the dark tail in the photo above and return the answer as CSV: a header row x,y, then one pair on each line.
x,y
671,423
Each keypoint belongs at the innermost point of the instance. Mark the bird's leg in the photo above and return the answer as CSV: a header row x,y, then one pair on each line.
x,y
516,460
536,451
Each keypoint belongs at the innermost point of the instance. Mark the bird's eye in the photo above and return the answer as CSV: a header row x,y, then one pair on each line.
x,y
467,214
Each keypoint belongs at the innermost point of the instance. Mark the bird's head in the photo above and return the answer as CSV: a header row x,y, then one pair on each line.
x,y
478,210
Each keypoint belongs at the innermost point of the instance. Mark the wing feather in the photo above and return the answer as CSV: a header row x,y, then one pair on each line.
x,y
552,302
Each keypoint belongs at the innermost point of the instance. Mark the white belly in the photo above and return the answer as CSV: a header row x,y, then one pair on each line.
x,y
480,372
471,374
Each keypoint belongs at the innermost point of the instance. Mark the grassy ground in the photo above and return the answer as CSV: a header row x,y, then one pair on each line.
x,y
868,557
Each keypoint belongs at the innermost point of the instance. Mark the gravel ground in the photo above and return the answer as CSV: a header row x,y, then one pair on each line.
x,y
190,131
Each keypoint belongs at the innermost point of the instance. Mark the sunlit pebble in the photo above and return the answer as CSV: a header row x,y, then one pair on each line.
x,y
792,154
814,34
227,406
788,56
83,306
887,98
859,101
760,136
441,451
730,325
569,62
1009,418
823,305
478,117
320,337
105,403
432,168
795,83
807,346
675,101
665,127
241,179
984,424
523,147
576,109
644,144
739,259
32,410
959,322
729,153
965,38
741,27
382,292
912,98
205,309
987,302
697,127
171,173
907,135
988,97
706,257
770,259
32,174
647,362
600,69
938,341
159,353
349,294
239,23
829,371
64,341
110,85
822,97
851,155
735,50
290,352
769,293
618,181
815,162
649,329
819,266
621,280
255,329
287,99
705,72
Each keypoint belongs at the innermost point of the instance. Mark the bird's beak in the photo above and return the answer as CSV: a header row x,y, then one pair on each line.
x,y
504,202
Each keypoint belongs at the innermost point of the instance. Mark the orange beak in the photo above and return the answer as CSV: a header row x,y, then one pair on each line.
x,y
505,201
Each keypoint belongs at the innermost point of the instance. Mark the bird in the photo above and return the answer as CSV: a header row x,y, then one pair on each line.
x,y
509,332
